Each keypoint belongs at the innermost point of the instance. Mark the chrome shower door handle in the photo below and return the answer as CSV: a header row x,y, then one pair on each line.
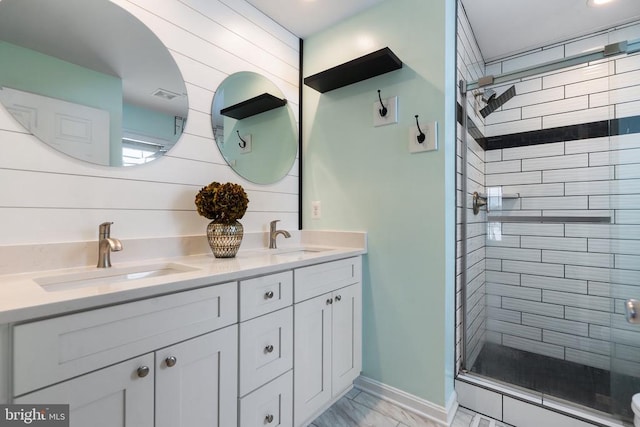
x,y
631,307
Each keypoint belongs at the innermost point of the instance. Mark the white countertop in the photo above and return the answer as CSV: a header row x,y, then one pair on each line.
x,y
22,298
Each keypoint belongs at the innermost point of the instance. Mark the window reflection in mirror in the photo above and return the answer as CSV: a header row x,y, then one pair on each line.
x,y
261,147
90,80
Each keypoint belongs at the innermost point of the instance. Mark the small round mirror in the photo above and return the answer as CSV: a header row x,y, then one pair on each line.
x,y
254,127
90,80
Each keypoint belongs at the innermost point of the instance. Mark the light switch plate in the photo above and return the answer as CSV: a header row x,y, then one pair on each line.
x,y
392,112
247,148
430,129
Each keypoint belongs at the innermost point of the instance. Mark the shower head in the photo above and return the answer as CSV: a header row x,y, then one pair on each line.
x,y
498,102
488,95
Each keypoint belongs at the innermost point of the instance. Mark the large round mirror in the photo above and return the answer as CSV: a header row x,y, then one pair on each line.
x,y
89,79
254,127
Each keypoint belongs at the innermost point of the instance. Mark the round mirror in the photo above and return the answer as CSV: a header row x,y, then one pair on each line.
x,y
89,79
254,127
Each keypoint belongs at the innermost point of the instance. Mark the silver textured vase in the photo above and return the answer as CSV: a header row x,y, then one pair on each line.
x,y
224,239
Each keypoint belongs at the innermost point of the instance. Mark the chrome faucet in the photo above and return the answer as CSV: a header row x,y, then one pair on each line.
x,y
273,233
106,244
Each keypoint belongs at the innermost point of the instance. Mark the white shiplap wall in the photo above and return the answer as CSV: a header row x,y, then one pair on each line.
x,y
47,197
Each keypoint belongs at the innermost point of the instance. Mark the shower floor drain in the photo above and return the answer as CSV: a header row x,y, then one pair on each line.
x,y
482,421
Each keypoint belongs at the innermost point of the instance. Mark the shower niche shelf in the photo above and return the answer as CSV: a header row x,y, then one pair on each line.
x,y
251,107
365,67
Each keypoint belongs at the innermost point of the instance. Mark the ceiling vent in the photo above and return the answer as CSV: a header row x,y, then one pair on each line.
x,y
165,94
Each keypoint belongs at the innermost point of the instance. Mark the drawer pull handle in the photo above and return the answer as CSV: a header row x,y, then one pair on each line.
x,y
268,295
338,297
268,349
269,419
171,361
143,371
330,301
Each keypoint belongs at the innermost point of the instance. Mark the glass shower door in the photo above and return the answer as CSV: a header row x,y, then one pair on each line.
x,y
623,242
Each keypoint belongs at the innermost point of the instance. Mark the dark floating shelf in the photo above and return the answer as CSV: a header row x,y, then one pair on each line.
x,y
365,67
253,106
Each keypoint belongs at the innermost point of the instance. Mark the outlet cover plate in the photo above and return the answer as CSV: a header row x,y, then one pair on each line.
x,y
430,143
316,209
392,112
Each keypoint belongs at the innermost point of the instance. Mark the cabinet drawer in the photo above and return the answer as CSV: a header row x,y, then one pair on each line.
x,y
265,294
322,278
270,405
52,350
266,349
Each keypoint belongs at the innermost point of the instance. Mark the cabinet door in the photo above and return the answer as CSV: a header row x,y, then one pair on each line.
x,y
347,337
197,382
111,397
312,356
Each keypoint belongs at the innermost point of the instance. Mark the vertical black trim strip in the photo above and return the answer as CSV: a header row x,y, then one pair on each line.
x,y
300,138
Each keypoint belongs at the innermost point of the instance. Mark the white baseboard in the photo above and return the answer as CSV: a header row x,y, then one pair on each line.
x,y
436,413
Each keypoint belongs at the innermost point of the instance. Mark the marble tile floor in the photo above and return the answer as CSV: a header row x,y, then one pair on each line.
x,y
360,409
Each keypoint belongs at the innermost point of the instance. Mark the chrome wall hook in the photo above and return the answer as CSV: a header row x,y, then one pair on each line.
x,y
242,144
383,111
421,136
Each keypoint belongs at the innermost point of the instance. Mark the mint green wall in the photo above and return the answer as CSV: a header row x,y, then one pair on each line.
x,y
148,122
34,72
367,180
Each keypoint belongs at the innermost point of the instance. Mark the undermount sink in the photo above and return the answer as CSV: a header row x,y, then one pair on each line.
x,y
298,252
107,276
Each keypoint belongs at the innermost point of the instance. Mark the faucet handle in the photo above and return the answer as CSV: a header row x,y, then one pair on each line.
x,y
272,224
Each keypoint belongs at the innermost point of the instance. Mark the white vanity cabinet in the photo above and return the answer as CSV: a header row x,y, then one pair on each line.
x,y
271,350
144,363
328,334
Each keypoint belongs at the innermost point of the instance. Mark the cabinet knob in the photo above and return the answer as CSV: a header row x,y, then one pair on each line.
x,y
338,298
268,349
171,361
143,371
269,419
268,295
330,301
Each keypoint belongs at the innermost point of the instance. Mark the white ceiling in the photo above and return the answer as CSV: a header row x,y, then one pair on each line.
x,y
502,27
306,17
505,27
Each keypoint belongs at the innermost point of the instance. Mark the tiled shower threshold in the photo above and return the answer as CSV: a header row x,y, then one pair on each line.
x,y
525,408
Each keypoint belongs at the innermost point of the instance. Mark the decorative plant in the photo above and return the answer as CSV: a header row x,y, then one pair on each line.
x,y
225,203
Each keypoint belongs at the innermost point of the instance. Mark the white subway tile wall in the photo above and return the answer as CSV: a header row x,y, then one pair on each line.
x,y
558,289
209,39
470,67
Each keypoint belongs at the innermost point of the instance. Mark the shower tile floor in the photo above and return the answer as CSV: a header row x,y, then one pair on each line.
x,y
360,409
588,386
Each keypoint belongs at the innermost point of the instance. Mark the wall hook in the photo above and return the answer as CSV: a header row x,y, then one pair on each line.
x,y
383,111
421,136
242,144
